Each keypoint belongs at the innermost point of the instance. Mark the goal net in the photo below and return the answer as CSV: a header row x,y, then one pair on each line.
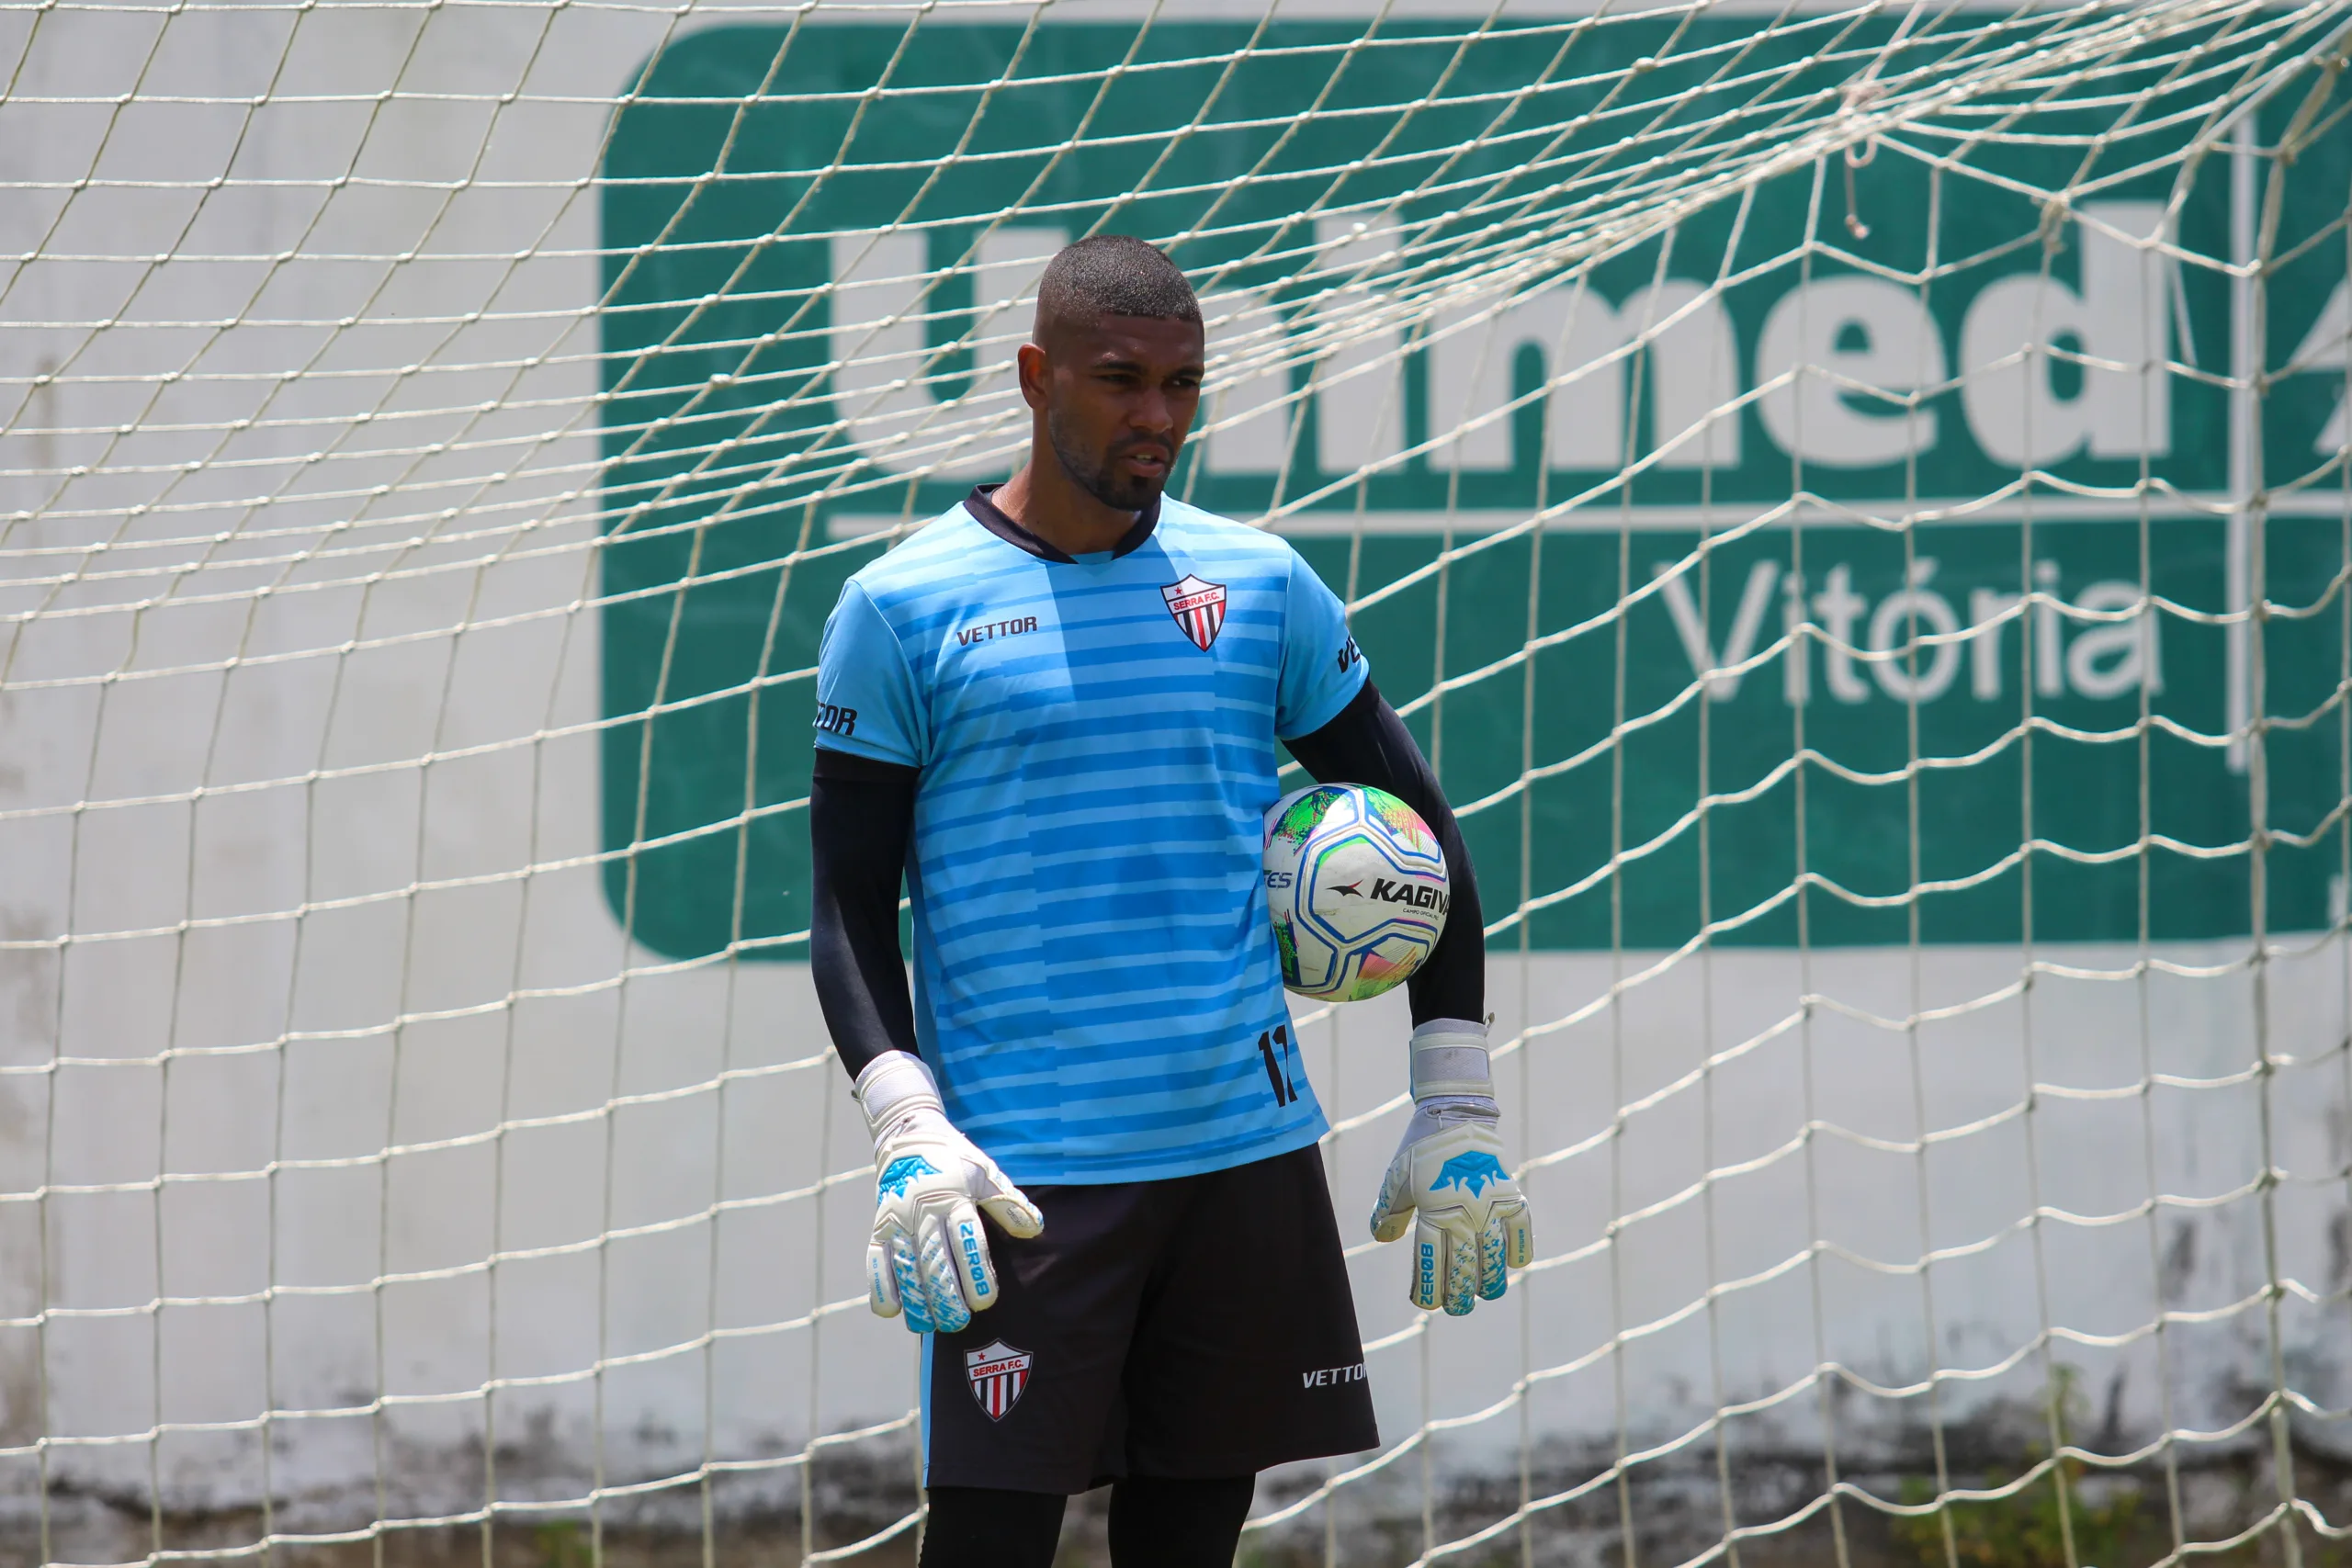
x,y
1852,496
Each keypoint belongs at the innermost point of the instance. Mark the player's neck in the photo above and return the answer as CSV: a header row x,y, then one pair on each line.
x,y
1044,500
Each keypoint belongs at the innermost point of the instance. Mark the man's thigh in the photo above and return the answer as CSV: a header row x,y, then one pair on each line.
x,y
1025,1397
1246,1352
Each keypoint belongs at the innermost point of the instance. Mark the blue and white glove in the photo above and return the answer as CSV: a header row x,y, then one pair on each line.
x,y
1448,1184
929,1257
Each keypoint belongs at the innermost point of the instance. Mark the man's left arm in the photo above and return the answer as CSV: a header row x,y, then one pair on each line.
x,y
1448,1183
1335,723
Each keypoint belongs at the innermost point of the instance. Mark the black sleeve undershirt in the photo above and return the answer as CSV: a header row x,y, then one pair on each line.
x,y
860,815
861,818
1366,743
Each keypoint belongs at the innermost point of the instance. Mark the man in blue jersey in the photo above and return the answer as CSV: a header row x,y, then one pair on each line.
x,y
1052,714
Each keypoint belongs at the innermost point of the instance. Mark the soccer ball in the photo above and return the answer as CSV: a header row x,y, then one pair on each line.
x,y
1356,883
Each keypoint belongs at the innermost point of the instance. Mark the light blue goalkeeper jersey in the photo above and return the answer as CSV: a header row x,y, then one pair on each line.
x,y
1096,986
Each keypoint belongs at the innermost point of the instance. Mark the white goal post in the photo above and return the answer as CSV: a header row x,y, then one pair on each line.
x,y
1852,497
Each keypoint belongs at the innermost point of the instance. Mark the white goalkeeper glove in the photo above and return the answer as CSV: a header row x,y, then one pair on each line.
x,y
1448,1184
929,1257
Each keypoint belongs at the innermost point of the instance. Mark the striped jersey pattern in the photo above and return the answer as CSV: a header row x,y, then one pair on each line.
x,y
1096,986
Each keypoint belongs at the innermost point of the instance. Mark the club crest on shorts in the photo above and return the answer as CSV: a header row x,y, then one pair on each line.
x,y
1199,608
997,1373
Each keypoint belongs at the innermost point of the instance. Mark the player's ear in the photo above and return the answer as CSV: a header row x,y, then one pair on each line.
x,y
1031,361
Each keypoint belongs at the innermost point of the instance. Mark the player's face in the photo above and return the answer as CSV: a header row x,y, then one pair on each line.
x,y
1119,394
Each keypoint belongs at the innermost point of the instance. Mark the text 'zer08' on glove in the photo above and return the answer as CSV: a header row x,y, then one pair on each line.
x,y
1448,1183
930,1256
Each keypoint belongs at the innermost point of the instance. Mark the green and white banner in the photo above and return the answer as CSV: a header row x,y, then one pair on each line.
x,y
1569,489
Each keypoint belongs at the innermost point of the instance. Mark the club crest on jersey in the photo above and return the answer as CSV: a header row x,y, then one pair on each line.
x,y
1199,608
997,1373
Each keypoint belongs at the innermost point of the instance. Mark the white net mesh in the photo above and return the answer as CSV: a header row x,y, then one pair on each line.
x,y
1852,499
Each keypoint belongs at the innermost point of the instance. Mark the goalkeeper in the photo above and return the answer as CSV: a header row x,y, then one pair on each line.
x,y
1052,712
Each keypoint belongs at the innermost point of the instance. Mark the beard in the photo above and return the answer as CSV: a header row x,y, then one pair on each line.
x,y
1098,476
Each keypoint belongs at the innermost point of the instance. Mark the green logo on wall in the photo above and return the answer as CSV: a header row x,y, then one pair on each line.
x,y
802,227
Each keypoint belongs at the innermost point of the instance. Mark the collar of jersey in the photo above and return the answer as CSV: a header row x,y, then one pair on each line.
x,y
984,512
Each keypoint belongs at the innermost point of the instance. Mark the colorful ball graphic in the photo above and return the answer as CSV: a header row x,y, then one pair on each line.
x,y
1356,884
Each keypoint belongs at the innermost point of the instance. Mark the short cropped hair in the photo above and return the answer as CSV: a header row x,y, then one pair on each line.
x,y
1115,275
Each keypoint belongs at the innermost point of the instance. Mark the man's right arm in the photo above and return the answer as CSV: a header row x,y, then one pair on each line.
x,y
871,742
929,1256
861,816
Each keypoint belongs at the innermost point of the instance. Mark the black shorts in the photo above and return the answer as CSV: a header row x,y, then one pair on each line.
x,y
1192,1328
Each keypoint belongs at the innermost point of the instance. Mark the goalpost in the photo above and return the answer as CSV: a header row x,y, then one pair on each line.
x,y
1851,497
